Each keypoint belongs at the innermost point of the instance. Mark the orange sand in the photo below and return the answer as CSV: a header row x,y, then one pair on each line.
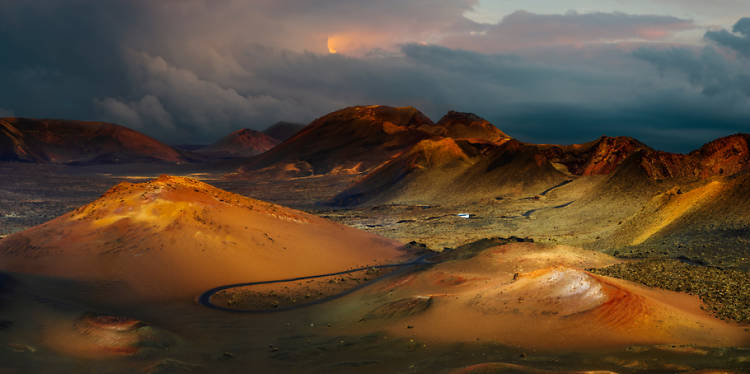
x,y
176,237
103,336
540,297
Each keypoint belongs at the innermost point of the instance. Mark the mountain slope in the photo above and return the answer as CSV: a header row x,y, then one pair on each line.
x,y
479,171
511,168
355,138
283,130
176,237
601,156
416,175
536,296
62,141
508,166
724,156
240,143
468,125
705,219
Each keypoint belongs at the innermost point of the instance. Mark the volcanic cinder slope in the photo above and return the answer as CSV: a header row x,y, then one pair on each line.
x,y
461,125
494,165
63,141
497,165
433,167
240,143
721,157
283,130
357,139
611,194
691,201
527,295
176,237
436,160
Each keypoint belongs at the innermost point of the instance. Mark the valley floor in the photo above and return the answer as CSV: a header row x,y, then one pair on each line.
x,y
713,265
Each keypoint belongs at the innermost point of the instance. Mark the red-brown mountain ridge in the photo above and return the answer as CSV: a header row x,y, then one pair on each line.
x,y
240,143
64,141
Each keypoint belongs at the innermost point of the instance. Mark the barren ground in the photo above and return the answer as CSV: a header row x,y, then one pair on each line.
x,y
185,337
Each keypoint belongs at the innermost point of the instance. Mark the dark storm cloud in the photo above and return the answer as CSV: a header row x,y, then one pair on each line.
x,y
61,55
717,75
193,70
706,69
524,30
738,39
191,65
551,103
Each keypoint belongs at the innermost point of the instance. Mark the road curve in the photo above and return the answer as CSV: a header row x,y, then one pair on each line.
x,y
205,298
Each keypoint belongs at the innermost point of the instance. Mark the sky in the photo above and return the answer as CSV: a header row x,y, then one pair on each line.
x,y
672,73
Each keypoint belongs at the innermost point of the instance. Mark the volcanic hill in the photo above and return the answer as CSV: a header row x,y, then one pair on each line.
x,y
507,166
349,140
512,167
721,157
177,236
468,125
535,296
240,143
283,130
358,139
63,141
438,161
600,156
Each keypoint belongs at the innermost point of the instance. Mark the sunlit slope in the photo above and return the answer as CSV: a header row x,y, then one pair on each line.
x,y
706,219
460,125
178,236
355,138
426,170
671,209
358,139
497,165
535,296
452,171
502,166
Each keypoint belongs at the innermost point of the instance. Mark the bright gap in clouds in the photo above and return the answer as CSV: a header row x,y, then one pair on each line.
x,y
331,45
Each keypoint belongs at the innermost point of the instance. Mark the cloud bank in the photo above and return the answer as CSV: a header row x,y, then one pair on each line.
x,y
191,71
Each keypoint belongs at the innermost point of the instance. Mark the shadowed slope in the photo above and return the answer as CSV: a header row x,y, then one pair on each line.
x,y
511,168
475,171
241,143
356,138
503,167
62,141
431,165
283,130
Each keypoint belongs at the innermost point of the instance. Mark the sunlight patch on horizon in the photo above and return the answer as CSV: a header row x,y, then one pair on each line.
x,y
331,45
